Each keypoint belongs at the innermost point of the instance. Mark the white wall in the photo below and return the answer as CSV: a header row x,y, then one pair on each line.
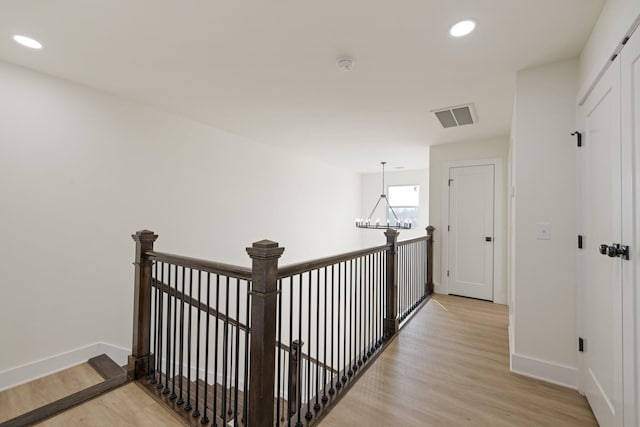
x,y
544,310
371,187
80,171
440,155
616,20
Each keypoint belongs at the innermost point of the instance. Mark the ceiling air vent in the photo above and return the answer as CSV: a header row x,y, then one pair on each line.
x,y
456,116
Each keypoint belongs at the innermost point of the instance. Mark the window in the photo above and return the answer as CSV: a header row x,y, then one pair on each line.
x,y
404,199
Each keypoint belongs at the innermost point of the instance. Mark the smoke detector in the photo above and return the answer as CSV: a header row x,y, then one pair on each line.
x,y
459,115
345,64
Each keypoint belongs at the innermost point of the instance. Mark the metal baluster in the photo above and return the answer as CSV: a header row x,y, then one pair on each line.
x,y
344,359
205,418
338,383
196,412
175,331
279,350
225,354
426,267
154,278
150,371
160,325
180,400
332,390
363,274
371,309
188,406
400,283
167,390
374,307
352,276
405,267
290,410
300,362
325,398
231,360
416,270
309,415
373,285
382,273
237,371
414,277
215,356
317,404
245,409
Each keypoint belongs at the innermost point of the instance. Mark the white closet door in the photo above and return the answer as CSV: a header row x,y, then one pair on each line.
x,y
471,237
602,210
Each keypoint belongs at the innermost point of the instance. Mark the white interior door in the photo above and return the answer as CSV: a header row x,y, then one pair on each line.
x,y
602,275
630,92
470,231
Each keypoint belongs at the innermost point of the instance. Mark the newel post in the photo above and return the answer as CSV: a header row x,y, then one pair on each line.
x,y
391,289
264,256
139,360
429,284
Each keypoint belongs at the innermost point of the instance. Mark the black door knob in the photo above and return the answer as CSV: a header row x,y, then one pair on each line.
x,y
615,250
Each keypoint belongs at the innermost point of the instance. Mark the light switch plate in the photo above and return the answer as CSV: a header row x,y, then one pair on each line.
x,y
543,231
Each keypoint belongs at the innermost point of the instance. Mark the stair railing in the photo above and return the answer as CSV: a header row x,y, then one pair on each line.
x,y
223,344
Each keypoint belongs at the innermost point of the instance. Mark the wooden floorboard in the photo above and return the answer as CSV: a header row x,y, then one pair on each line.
x,y
64,404
27,397
126,406
449,366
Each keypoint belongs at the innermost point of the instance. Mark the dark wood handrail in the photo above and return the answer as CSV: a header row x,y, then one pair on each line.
x,y
199,305
234,271
307,357
417,239
302,267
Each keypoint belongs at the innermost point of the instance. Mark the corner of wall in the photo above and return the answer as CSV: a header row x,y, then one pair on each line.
x,y
30,371
553,373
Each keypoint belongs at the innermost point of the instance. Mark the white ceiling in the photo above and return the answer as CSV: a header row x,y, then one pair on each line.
x,y
266,69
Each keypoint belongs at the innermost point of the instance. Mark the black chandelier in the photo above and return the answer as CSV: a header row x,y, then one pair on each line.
x,y
396,223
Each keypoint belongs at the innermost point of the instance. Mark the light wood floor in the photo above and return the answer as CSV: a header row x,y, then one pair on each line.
x,y
26,397
126,406
450,367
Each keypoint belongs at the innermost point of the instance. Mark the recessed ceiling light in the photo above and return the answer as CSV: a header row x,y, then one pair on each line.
x,y
462,28
27,41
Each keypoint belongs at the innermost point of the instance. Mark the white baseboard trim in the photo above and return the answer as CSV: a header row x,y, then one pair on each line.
x,y
439,288
544,370
510,336
28,372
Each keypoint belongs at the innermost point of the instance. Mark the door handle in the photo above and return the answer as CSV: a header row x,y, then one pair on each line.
x,y
615,250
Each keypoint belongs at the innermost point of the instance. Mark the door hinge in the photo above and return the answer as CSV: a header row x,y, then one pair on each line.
x,y
579,241
450,181
580,344
448,228
579,137
447,273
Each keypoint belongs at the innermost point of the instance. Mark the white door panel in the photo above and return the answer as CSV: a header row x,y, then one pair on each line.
x,y
471,236
630,63
601,210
